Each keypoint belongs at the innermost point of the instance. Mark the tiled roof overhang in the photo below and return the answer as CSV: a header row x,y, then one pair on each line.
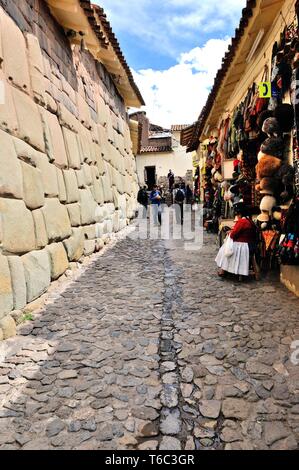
x,y
178,127
90,22
190,136
155,149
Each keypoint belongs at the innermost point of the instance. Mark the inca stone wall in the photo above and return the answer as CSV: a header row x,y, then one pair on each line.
x,y
67,171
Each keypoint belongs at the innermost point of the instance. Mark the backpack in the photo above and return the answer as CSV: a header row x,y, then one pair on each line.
x,y
180,195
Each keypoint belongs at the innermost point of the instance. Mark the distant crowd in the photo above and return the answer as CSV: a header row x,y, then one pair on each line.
x,y
176,193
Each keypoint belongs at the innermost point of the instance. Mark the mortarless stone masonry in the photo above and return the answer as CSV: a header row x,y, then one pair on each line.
x,y
67,171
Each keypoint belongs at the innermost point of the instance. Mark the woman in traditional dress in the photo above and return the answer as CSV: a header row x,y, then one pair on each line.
x,y
233,256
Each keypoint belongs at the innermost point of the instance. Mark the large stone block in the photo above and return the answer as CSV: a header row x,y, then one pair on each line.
x,y
57,221
115,221
37,273
72,148
58,260
116,197
75,245
18,282
66,118
11,182
61,186
54,139
8,327
89,247
36,68
99,230
74,211
88,207
34,196
34,52
14,53
87,173
89,232
40,229
30,129
72,191
38,86
8,115
97,191
80,179
49,174
85,144
17,225
101,214
6,296
83,109
107,188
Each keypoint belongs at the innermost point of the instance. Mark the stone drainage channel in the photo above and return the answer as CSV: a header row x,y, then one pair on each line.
x,y
181,425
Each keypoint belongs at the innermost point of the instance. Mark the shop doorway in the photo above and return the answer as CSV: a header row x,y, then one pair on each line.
x,y
150,176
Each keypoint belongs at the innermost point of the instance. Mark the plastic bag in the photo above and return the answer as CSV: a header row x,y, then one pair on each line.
x,y
229,247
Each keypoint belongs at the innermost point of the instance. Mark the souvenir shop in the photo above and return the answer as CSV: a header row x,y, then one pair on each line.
x,y
254,156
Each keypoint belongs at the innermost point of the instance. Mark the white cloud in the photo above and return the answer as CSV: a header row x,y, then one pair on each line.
x,y
164,25
176,95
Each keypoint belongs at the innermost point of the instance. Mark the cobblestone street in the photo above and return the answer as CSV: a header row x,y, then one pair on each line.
x,y
148,349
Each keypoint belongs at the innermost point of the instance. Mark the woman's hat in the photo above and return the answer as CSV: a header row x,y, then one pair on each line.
x,y
240,208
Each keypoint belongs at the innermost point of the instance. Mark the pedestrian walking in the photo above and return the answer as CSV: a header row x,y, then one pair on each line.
x,y
142,198
179,199
189,195
170,177
155,198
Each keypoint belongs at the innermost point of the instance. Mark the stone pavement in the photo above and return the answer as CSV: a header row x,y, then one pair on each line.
x,y
149,349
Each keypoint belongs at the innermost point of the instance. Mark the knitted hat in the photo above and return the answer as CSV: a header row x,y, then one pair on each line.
x,y
263,116
273,146
267,166
271,127
284,113
268,186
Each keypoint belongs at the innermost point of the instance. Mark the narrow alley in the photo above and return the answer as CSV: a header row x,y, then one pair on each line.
x,y
149,349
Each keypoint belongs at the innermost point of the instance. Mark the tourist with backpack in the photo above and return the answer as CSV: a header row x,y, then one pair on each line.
x,y
179,199
142,198
156,199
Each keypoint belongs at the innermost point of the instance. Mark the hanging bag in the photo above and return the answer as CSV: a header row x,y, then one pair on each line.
x,y
229,247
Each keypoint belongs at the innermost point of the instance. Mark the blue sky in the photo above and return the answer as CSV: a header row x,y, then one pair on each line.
x,y
174,48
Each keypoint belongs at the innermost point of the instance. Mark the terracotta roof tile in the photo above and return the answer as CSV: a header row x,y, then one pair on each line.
x,y
156,149
115,44
179,127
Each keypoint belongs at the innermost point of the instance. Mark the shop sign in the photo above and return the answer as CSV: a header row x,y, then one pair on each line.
x,y
265,90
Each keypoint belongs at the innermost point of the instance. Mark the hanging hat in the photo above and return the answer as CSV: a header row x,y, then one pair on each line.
x,y
263,217
269,185
284,113
263,116
271,127
267,203
273,146
267,166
